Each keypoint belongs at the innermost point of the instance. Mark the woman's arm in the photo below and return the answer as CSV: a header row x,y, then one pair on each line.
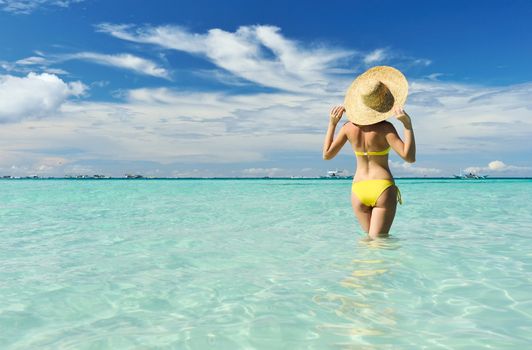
x,y
406,149
332,146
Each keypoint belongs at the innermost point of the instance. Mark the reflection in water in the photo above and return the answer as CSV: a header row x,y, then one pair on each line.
x,y
389,243
362,302
363,273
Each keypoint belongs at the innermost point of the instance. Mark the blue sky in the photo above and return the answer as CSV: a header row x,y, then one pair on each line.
x,y
242,88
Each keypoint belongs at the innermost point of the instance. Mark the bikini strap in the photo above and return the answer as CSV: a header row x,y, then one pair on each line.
x,y
399,198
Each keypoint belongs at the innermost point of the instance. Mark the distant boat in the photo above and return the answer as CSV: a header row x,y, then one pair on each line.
x,y
340,174
470,176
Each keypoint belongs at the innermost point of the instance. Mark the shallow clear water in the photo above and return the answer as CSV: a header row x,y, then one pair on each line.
x,y
262,264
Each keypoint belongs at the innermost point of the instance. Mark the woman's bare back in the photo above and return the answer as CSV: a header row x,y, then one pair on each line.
x,y
370,138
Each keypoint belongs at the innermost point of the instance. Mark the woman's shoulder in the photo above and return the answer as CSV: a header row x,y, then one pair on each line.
x,y
351,126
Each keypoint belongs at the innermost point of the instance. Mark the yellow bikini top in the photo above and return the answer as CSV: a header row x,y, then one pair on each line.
x,y
375,153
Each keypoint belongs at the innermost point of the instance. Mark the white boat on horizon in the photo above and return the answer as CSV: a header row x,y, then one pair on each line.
x,y
470,176
337,174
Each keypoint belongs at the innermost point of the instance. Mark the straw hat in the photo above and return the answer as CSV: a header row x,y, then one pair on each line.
x,y
374,94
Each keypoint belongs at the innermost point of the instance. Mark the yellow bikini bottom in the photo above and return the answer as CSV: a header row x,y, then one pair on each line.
x,y
369,191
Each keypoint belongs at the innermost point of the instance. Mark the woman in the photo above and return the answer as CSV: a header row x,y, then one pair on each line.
x,y
373,97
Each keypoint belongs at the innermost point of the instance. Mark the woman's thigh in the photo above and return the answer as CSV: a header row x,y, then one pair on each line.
x,y
383,213
362,212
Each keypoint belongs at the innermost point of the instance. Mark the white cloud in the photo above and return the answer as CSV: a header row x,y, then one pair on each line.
x,y
192,127
165,125
460,118
125,61
409,169
36,95
497,166
28,6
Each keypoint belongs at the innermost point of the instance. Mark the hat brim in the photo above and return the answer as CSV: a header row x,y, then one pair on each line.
x,y
357,112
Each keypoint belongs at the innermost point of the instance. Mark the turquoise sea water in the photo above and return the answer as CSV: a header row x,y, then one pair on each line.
x,y
262,264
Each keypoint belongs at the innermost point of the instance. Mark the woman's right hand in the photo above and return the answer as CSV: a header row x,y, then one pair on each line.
x,y
336,114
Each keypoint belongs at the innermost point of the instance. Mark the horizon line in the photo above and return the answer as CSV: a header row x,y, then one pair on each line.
x,y
36,177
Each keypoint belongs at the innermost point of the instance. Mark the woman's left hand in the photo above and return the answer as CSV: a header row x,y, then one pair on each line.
x,y
401,115
336,114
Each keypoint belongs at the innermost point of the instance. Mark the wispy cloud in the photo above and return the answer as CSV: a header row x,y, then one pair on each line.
x,y
259,54
422,61
32,60
434,76
25,7
124,61
262,55
375,56
38,62
386,55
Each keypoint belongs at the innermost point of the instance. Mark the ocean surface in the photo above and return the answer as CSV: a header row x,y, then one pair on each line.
x,y
262,264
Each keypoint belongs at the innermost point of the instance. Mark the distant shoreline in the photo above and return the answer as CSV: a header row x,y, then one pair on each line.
x,y
252,178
